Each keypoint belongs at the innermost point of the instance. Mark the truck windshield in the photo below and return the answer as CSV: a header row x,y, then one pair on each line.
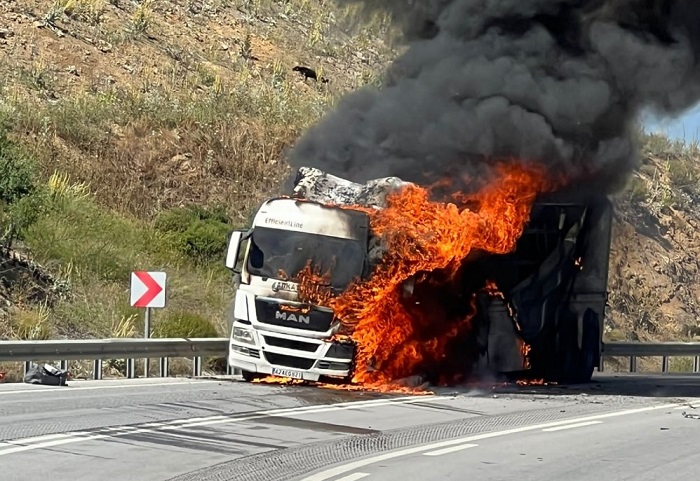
x,y
273,251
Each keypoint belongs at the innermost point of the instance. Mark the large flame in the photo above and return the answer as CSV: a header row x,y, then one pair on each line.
x,y
427,243
423,236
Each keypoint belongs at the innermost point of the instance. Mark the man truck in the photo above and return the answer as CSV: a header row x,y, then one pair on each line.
x,y
552,288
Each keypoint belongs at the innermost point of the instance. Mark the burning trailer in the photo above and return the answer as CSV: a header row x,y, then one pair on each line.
x,y
375,282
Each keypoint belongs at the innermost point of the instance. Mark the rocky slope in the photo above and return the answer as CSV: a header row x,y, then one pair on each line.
x,y
654,283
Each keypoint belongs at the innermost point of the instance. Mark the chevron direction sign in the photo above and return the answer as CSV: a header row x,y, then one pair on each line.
x,y
148,289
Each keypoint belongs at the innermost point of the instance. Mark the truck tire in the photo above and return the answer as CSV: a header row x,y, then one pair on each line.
x,y
590,346
250,376
578,364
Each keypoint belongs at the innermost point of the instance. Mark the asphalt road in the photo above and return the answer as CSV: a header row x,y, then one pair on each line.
x,y
632,427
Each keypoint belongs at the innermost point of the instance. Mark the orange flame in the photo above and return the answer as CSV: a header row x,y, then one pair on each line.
x,y
424,236
428,242
314,287
277,380
492,289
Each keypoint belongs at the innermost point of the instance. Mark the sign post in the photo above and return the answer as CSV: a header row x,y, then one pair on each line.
x,y
147,291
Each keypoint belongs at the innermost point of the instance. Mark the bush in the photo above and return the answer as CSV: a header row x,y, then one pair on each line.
x,y
32,324
680,172
198,232
184,324
637,190
21,201
206,240
17,171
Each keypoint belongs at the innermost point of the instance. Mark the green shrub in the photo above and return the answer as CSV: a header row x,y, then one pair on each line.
x,y
197,232
637,190
184,324
17,171
206,240
21,200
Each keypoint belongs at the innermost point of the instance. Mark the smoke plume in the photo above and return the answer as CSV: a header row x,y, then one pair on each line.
x,y
554,81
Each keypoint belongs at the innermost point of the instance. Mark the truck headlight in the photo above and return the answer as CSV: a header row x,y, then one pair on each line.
x,y
243,335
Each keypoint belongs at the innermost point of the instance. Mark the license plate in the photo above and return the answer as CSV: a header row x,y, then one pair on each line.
x,y
287,373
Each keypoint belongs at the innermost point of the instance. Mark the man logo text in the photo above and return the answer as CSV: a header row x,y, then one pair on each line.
x,y
288,316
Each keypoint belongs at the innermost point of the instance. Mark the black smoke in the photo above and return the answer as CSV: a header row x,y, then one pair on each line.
x,y
554,81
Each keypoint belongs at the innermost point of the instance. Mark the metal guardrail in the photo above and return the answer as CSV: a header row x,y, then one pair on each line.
x,y
633,350
98,350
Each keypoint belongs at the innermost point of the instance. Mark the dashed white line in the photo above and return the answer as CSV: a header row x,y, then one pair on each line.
x,y
353,477
572,426
338,470
453,449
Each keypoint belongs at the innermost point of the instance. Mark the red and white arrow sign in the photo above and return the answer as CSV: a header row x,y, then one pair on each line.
x,y
148,289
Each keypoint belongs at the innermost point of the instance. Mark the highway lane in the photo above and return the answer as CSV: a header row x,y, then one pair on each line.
x,y
640,446
162,429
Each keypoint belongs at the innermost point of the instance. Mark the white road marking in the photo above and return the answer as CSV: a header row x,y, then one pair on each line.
x,y
338,470
572,426
76,387
51,440
353,477
453,449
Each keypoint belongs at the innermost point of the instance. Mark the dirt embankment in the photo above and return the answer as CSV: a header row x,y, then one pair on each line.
x,y
654,283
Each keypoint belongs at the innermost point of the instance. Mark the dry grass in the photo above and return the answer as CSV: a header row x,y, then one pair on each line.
x,y
132,108
162,103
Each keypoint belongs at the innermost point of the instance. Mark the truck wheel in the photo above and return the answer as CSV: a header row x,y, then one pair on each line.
x,y
250,376
590,346
577,365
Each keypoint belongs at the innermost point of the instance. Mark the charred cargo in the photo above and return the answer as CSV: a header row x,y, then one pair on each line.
x,y
554,289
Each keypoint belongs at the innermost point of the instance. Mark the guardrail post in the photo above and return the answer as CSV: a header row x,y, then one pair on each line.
x,y
130,369
197,366
633,364
696,364
27,367
63,365
164,367
97,369
664,364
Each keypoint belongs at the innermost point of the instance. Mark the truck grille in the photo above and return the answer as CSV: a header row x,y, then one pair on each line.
x,y
288,361
290,344
334,366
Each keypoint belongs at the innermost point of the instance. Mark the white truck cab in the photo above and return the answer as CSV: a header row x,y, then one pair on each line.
x,y
273,333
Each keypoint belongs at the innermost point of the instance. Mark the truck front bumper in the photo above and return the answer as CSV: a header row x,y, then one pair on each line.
x,y
285,355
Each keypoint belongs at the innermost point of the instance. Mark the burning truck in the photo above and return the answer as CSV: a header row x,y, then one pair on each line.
x,y
371,283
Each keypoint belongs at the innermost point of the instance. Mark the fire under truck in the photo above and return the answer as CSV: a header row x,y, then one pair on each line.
x,y
555,279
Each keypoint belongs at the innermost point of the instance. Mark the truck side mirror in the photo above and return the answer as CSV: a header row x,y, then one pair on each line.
x,y
235,240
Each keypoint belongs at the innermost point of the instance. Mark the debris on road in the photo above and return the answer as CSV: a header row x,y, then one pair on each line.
x,y
47,375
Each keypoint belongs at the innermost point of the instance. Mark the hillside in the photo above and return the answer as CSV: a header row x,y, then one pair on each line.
x,y
134,135
653,282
